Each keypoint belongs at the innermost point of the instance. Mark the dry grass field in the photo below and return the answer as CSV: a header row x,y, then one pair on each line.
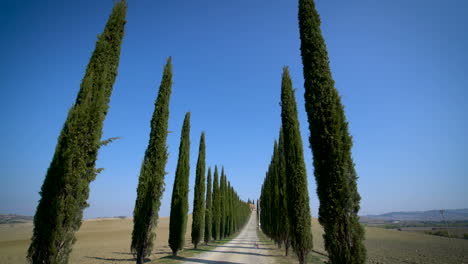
x,y
108,241
99,241
394,247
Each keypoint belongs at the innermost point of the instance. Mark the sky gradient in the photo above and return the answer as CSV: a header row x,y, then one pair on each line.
x,y
400,68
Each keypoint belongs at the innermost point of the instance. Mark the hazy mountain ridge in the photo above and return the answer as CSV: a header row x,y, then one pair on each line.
x,y
431,215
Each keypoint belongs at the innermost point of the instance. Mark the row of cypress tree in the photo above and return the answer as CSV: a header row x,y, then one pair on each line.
x,y
230,210
66,186
227,212
331,145
222,215
284,199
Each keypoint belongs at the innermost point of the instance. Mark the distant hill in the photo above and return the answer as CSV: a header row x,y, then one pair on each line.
x,y
432,215
14,219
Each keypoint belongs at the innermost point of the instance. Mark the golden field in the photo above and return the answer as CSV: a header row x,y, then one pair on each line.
x,y
99,241
108,241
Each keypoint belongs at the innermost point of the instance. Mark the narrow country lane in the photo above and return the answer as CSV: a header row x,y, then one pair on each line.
x,y
245,248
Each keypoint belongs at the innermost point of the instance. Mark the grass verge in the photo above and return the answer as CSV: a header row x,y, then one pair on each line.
x,y
278,253
187,253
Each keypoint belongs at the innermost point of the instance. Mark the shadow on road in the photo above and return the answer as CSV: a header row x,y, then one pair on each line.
x,y
234,252
200,260
251,247
117,259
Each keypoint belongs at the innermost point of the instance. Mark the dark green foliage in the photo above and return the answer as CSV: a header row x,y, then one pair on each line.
x,y
297,192
231,210
199,196
228,210
208,209
225,206
283,221
179,201
151,180
258,213
66,186
274,217
275,196
331,146
443,233
216,203
229,213
222,206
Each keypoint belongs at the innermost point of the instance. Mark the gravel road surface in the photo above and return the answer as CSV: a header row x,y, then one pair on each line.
x,y
245,248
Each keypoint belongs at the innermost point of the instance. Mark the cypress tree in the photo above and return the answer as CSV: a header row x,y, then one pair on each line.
x,y
258,214
222,205
298,195
66,186
228,209
215,217
331,146
151,180
231,211
284,229
199,199
225,206
275,196
208,210
179,201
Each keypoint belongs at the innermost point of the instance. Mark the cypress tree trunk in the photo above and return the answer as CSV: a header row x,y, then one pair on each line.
x,y
331,146
208,211
151,180
215,218
199,199
66,186
298,194
179,201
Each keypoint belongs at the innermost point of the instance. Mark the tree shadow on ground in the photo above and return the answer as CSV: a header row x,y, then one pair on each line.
x,y
117,259
122,253
252,247
235,252
204,261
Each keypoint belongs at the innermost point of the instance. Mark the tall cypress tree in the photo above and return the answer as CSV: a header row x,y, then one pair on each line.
x,y
66,186
228,209
298,194
179,201
275,196
208,209
258,214
284,230
231,210
151,180
331,146
199,196
222,205
215,217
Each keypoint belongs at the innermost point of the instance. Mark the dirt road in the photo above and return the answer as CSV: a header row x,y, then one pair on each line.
x,y
245,248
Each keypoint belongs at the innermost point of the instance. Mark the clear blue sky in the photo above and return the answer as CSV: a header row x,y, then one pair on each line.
x,y
400,67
